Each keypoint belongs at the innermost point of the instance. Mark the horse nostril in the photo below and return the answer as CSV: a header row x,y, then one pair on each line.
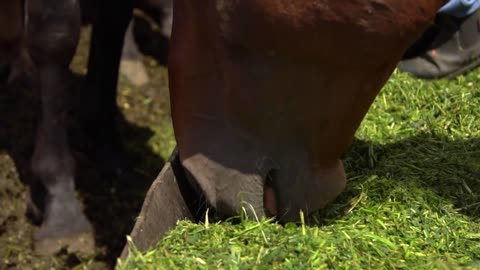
x,y
269,197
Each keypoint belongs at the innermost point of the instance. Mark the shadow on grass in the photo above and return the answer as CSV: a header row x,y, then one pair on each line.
x,y
111,202
449,168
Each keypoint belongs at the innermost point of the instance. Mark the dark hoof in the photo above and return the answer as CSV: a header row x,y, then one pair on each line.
x,y
81,244
75,235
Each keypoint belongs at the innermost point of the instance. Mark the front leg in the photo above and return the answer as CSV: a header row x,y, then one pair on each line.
x,y
63,223
54,34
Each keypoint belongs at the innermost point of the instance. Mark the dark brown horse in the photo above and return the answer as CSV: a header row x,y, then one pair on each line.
x,y
11,28
40,37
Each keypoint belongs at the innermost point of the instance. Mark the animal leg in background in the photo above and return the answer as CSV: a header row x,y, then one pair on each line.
x,y
53,36
99,97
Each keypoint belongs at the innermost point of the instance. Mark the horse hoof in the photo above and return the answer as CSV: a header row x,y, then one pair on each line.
x,y
81,244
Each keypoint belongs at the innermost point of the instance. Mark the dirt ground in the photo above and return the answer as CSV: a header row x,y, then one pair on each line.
x,y
110,202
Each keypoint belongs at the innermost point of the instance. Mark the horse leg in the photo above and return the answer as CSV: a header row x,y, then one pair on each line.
x,y
99,107
53,36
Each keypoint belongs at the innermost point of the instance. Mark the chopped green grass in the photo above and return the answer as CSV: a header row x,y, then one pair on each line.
x,y
412,200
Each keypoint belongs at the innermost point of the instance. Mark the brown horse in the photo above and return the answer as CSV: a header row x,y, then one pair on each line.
x,y
267,94
12,46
